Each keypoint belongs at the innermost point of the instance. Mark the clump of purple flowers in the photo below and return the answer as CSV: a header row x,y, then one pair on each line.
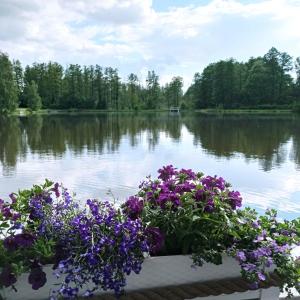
x,y
101,247
91,247
189,213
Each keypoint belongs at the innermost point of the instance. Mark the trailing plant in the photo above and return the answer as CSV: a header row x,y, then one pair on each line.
x,y
91,247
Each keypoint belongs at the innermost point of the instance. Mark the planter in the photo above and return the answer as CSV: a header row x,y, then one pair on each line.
x,y
156,272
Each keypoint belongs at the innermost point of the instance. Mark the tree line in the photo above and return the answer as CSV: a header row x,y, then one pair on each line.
x,y
260,82
50,86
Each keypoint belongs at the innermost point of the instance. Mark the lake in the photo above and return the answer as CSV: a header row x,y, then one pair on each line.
x,y
106,155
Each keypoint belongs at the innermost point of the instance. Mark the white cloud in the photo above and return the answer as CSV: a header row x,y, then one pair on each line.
x,y
131,35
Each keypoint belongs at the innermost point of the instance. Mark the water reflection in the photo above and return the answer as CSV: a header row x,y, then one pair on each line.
x,y
120,149
256,137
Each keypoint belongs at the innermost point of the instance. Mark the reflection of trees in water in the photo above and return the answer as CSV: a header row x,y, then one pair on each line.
x,y
256,137
10,142
295,154
262,138
96,133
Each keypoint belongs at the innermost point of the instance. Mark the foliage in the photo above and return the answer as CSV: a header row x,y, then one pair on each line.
x,y
92,244
261,81
296,107
196,214
8,88
32,97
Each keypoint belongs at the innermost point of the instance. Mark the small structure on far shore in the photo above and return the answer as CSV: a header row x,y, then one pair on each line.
x,y
174,109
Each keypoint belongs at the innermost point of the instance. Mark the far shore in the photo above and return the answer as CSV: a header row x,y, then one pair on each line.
x,y
26,112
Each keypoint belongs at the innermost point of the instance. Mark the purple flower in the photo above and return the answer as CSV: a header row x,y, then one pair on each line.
x,y
261,276
171,198
133,207
255,224
37,278
235,199
253,285
214,182
6,212
7,277
24,240
240,256
200,195
13,198
184,187
167,172
56,190
189,174
269,262
210,206
155,239
261,237
249,267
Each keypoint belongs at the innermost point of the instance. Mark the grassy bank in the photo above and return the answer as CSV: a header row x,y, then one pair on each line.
x,y
26,112
245,111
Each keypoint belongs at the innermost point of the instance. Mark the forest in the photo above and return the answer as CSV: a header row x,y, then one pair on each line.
x,y
269,81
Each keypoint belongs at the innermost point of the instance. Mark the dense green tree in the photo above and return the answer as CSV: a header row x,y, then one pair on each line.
x,y
32,97
19,79
8,86
173,92
133,91
152,90
255,92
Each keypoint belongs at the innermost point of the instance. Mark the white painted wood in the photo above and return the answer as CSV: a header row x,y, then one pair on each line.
x,y
236,296
156,272
269,294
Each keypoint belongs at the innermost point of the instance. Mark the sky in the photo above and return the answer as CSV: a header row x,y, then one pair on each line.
x,y
172,37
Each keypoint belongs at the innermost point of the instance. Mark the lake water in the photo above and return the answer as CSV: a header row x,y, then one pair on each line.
x,y
93,154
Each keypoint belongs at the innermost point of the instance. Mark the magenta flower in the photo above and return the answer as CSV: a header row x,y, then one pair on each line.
x,y
167,172
133,207
155,239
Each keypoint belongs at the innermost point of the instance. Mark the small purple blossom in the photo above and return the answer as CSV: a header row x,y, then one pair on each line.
x,y
188,174
167,172
241,257
7,277
235,199
56,190
155,239
21,240
13,198
214,183
133,207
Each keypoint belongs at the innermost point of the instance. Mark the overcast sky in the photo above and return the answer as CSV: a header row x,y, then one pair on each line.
x,y
172,37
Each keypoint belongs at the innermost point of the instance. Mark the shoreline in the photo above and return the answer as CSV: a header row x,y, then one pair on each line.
x,y
241,111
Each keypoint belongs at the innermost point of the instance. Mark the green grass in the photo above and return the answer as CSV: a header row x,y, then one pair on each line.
x,y
26,112
245,111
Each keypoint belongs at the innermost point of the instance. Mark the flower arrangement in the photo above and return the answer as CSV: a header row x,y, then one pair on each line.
x,y
92,244
188,213
95,245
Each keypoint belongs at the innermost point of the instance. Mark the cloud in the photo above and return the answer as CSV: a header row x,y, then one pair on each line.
x,y
132,36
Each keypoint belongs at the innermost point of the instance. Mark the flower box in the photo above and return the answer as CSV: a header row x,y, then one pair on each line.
x,y
161,271
94,246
